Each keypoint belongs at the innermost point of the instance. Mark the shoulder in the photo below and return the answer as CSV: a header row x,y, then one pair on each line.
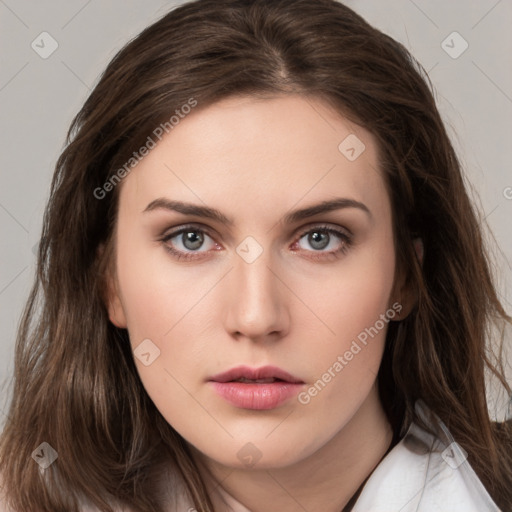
x,y
425,473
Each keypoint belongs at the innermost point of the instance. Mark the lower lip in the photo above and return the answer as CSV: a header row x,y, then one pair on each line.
x,y
256,396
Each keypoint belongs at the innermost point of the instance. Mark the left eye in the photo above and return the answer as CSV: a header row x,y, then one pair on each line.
x,y
321,238
191,239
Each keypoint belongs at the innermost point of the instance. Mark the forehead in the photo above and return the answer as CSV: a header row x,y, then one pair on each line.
x,y
251,153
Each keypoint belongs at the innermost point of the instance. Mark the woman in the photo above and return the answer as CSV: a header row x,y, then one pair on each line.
x,y
262,283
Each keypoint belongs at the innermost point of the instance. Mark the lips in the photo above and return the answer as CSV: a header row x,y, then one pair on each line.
x,y
262,388
265,374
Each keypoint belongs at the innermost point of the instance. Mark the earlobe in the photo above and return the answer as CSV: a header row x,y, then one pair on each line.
x,y
115,307
406,294
111,295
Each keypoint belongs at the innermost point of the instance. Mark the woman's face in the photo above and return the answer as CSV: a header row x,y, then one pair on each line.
x,y
263,282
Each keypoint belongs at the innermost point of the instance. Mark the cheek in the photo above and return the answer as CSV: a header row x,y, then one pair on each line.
x,y
161,305
355,307
351,297
156,292
166,304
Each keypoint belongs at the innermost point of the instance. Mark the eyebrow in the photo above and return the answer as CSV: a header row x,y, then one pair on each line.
x,y
290,218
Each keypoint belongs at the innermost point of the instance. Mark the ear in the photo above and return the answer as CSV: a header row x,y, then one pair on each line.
x,y
404,292
111,294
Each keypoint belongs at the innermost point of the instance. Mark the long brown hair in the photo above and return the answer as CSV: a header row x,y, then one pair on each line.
x,y
76,385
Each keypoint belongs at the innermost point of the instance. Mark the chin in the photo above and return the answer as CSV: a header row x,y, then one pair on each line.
x,y
261,453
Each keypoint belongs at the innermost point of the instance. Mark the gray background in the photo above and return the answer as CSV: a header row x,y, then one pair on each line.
x,y
39,97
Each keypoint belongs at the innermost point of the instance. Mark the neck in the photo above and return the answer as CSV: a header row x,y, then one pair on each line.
x,y
325,481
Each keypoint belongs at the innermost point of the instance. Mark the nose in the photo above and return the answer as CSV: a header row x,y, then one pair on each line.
x,y
256,300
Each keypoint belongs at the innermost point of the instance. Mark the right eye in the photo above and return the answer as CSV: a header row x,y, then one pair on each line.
x,y
189,239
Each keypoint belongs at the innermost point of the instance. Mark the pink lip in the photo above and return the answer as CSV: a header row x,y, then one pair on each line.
x,y
258,396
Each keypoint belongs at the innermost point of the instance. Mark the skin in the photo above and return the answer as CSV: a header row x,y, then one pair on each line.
x,y
255,160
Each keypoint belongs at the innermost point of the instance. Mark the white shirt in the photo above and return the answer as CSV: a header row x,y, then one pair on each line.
x,y
423,473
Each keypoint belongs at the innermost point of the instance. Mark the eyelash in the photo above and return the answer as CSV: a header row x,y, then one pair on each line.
x,y
345,239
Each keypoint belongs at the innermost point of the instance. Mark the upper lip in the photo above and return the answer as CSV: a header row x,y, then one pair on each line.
x,y
263,372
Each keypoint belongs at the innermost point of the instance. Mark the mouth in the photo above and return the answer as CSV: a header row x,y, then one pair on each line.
x,y
263,375
262,388
258,381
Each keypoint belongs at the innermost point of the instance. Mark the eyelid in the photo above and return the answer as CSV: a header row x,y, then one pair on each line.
x,y
302,230
323,225
176,230
298,233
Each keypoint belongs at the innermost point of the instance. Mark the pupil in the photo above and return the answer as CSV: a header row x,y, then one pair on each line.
x,y
192,240
316,242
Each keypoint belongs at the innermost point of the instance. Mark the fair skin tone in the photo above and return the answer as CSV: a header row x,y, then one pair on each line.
x,y
295,306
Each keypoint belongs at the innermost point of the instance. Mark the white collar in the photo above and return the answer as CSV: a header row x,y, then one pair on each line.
x,y
425,473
